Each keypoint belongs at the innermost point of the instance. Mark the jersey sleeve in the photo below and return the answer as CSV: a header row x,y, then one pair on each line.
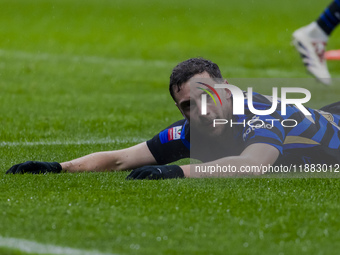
x,y
171,144
264,129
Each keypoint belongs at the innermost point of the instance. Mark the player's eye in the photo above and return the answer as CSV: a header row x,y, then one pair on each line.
x,y
209,99
186,105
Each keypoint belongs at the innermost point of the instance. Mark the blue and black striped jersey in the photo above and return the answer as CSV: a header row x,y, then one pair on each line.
x,y
314,139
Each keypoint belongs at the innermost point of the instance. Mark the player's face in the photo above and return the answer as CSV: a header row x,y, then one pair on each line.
x,y
189,102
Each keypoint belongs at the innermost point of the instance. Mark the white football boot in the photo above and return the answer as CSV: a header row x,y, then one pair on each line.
x,y
310,41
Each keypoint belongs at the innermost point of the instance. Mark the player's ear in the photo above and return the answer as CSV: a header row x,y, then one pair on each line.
x,y
228,92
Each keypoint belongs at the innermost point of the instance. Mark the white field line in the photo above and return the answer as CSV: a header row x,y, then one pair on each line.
x,y
43,56
39,248
79,142
81,58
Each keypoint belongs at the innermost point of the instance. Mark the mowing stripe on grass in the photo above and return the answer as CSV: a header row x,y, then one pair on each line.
x,y
38,248
136,62
79,142
82,58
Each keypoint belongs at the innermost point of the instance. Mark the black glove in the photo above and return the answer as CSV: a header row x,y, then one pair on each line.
x,y
35,167
156,172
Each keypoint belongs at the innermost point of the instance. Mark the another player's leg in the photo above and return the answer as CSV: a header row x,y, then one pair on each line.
x,y
312,39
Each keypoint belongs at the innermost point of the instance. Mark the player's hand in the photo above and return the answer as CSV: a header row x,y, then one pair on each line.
x,y
156,172
35,167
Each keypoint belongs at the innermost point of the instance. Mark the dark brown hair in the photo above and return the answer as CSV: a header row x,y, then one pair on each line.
x,y
188,68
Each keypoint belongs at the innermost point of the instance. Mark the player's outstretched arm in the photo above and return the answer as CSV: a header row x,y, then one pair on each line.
x,y
255,155
129,158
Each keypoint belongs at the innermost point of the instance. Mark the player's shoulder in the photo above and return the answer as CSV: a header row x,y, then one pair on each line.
x,y
179,130
258,98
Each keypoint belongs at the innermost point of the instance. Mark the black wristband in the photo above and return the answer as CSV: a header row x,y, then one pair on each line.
x,y
56,167
172,171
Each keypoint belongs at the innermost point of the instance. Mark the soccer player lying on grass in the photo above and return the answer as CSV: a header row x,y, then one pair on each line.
x,y
312,140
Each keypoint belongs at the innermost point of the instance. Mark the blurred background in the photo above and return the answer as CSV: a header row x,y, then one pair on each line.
x,y
70,68
79,76
244,37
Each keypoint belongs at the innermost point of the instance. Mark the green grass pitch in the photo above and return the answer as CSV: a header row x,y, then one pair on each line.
x,y
83,76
